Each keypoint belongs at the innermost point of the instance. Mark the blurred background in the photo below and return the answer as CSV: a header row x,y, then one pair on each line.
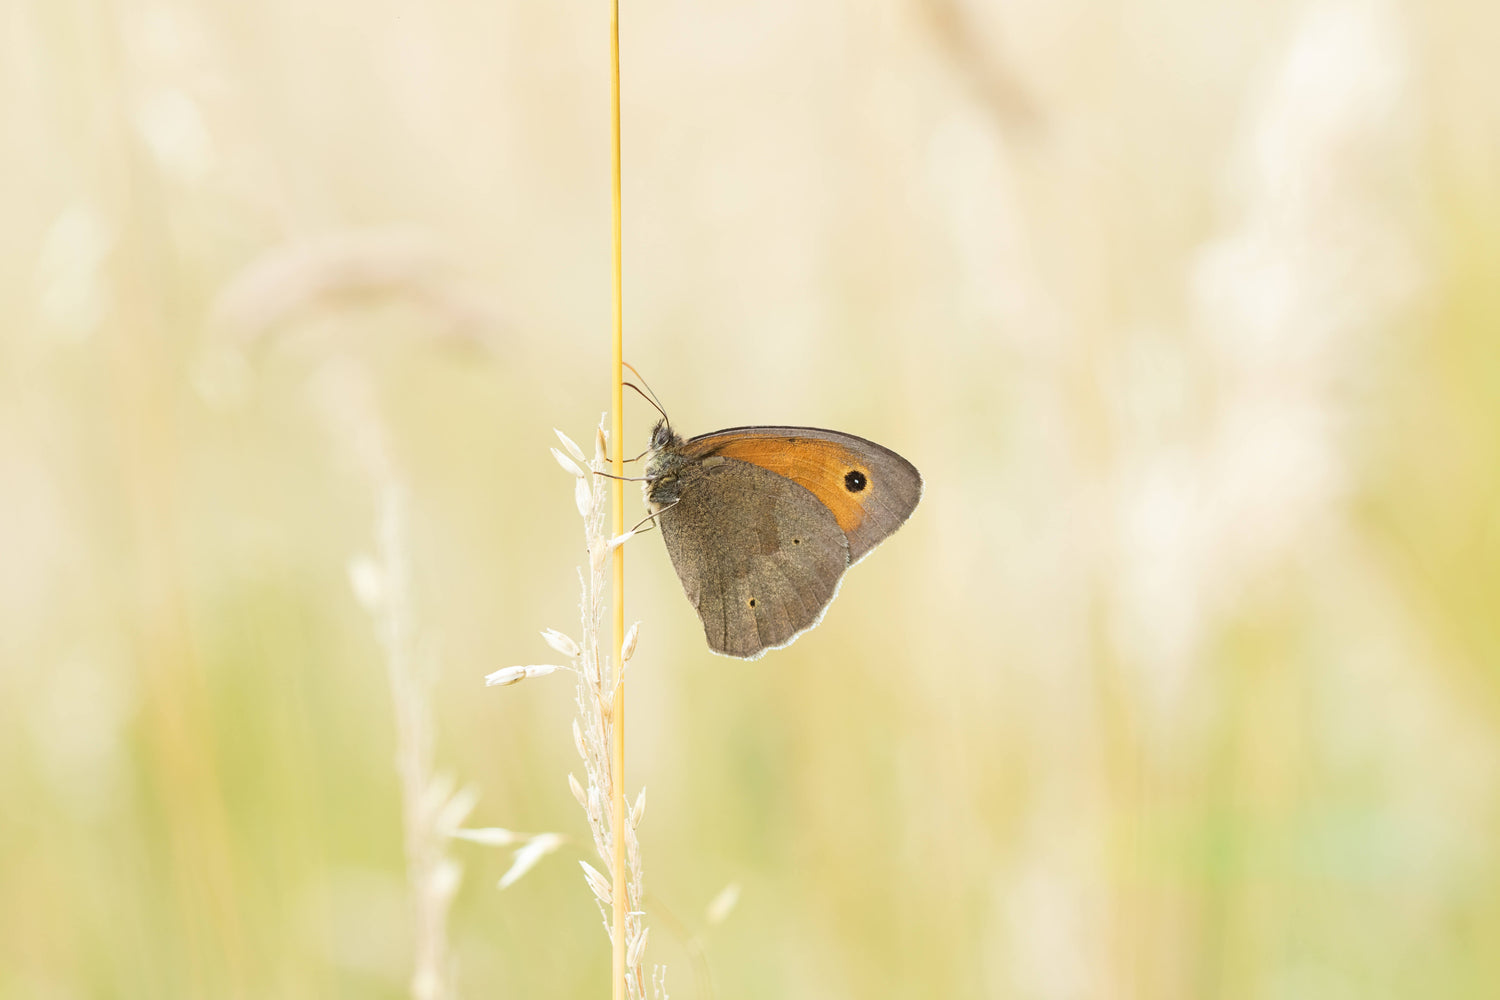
x,y
1182,682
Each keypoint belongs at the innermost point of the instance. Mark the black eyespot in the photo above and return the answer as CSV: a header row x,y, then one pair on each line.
x,y
752,602
855,481
796,541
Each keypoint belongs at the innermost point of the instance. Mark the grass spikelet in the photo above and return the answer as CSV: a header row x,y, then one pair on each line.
x,y
598,676
593,729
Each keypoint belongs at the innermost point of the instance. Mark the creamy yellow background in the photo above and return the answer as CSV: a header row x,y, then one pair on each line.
x,y
1182,682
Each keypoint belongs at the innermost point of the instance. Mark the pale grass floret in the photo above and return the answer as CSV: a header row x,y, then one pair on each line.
x,y
578,741
562,643
367,581
627,648
582,497
491,836
637,947
513,675
525,858
723,904
618,540
566,463
572,446
603,891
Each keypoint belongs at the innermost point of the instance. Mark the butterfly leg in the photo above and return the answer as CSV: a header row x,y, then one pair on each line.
x,y
651,518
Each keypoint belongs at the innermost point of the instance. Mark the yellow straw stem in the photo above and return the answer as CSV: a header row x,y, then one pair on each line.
x,y
617,448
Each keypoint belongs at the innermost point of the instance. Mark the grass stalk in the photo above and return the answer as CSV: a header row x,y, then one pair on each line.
x,y
432,805
617,449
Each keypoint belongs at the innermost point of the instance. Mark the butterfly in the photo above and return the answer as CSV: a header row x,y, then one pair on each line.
x,y
762,522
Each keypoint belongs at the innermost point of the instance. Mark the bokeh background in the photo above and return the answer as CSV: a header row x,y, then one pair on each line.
x,y
1182,682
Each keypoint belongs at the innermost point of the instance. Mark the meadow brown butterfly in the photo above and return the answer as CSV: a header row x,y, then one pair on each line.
x,y
762,522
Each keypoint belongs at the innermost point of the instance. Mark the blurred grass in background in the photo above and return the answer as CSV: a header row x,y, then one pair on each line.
x,y
1181,683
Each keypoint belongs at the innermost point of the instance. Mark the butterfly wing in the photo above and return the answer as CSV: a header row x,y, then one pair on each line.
x,y
759,556
869,489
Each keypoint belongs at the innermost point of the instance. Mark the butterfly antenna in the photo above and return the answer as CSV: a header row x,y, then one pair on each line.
x,y
652,399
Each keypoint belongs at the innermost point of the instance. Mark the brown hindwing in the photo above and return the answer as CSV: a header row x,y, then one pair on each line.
x,y
758,556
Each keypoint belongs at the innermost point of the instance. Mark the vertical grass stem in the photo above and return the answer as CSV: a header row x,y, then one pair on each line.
x,y
617,451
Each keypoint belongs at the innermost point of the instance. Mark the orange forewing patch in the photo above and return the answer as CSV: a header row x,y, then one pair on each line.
x,y
817,465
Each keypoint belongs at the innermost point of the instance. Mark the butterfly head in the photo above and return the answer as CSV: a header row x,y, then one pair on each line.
x,y
663,437
663,461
